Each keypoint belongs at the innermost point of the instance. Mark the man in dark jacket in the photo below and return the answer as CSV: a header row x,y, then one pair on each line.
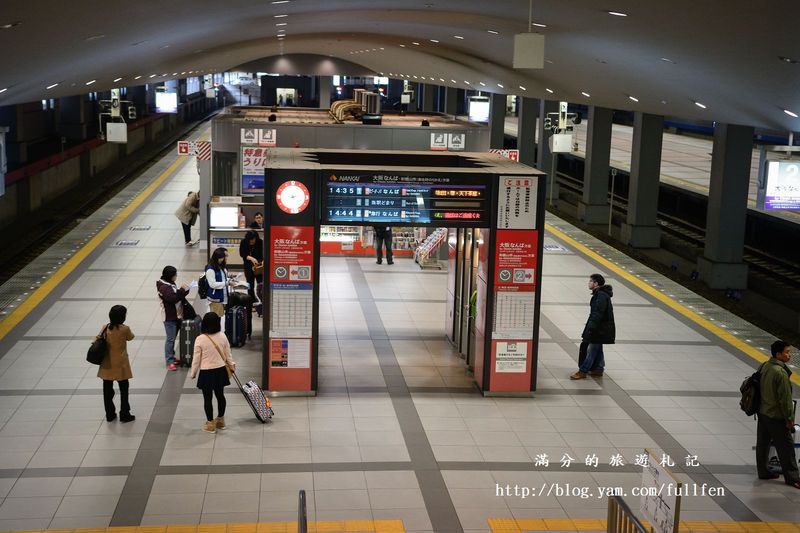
x,y
776,416
383,236
599,330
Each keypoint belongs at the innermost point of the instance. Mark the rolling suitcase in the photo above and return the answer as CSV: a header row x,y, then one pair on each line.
x,y
189,330
255,397
236,325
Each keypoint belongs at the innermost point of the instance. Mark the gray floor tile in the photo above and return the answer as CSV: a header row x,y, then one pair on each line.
x,y
40,487
24,508
339,480
162,504
81,522
95,505
236,502
291,481
396,499
233,483
96,485
164,520
341,499
179,484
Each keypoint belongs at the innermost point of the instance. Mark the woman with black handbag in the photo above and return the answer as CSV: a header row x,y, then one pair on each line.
x,y
115,365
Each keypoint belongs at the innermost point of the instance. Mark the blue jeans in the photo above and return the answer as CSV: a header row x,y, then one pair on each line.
x,y
595,361
171,327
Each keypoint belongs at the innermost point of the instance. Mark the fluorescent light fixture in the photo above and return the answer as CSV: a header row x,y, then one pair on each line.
x,y
701,106
280,16
152,75
458,37
539,25
441,80
617,14
94,37
415,43
587,95
434,41
667,60
500,85
465,81
90,82
790,113
402,46
9,25
182,73
281,24
280,1
548,90
493,32
523,88
3,90
137,77
453,81
51,86
116,80
633,98
482,84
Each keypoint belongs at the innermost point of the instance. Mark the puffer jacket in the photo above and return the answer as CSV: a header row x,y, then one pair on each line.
x,y
600,327
189,208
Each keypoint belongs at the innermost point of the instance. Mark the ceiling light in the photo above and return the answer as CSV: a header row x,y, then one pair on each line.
x,y
116,80
667,60
482,84
280,1
493,32
434,41
163,47
458,37
500,85
10,25
90,82
51,86
633,98
465,81
523,88
788,60
402,46
281,24
701,106
280,16
617,14
790,113
539,25
548,90
174,73
152,75
415,43
3,90
94,37
587,95
137,77
453,81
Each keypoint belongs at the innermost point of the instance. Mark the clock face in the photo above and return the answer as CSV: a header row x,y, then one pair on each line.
x,y
292,197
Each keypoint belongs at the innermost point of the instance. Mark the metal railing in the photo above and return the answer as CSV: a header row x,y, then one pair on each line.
x,y
302,518
621,519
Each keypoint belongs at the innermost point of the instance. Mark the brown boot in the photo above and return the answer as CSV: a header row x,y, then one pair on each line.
x,y
210,427
220,422
578,375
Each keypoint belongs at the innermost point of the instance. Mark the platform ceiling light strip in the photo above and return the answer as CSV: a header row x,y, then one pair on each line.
x,y
116,80
281,24
548,90
6,88
617,14
523,88
587,95
790,113
493,32
458,37
701,106
280,16
538,24
90,82
280,2
51,86
137,77
633,99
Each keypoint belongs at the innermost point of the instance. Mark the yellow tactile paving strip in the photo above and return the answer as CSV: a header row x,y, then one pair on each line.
x,y
512,525
334,526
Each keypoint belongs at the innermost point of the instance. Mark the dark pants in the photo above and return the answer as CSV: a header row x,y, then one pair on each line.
x,y
187,232
380,243
774,431
595,359
108,398
208,394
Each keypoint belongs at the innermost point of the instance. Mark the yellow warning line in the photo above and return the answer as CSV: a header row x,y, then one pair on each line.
x,y
66,269
518,525
335,526
706,324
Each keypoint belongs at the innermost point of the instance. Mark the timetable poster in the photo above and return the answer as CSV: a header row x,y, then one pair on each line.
x,y
291,281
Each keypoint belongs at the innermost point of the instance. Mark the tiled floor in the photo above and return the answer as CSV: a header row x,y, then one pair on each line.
x,y
397,430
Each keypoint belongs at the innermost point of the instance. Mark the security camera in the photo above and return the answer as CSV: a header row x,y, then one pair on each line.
x,y
576,119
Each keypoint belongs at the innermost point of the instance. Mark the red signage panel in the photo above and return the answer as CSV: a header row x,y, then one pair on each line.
x,y
515,260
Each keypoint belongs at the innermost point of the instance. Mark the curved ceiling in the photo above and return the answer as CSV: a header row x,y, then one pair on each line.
x,y
663,57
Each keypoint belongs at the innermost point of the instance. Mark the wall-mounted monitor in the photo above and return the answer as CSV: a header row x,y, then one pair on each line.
x,y
479,109
224,216
783,185
166,102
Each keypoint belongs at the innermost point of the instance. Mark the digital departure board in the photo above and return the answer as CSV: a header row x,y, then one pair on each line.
x,y
446,200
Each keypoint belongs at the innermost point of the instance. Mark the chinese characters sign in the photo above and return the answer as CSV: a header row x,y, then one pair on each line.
x,y
254,160
783,185
516,203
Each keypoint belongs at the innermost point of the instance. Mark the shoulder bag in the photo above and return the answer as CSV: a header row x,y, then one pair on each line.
x,y
227,366
99,349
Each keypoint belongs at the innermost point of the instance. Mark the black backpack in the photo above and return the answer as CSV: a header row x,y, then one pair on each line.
x,y
202,287
751,393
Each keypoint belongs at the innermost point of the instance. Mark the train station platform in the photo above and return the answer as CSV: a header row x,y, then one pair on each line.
x,y
685,161
397,432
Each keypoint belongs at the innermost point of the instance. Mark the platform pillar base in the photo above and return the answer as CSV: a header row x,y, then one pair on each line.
x,y
722,275
641,236
593,213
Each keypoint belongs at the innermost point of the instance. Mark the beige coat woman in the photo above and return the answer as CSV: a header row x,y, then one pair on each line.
x,y
116,367
189,208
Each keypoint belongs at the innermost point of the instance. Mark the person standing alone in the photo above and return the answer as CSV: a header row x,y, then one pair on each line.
x,y
115,365
187,214
776,416
599,330
383,237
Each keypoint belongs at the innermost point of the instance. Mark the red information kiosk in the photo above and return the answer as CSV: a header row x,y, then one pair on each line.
x,y
500,202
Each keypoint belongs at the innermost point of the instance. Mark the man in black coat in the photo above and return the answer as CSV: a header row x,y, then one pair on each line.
x,y
599,330
383,238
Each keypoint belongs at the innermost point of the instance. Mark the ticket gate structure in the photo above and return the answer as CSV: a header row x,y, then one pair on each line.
x,y
495,204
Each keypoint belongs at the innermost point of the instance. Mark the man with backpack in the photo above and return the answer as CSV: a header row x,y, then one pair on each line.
x,y
776,416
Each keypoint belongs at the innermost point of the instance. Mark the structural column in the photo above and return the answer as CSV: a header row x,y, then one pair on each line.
x,y
528,112
325,85
640,229
450,100
593,207
721,265
544,157
497,120
428,97
73,118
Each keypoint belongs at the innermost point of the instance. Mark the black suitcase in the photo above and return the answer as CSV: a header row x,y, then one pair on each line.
x,y
259,403
236,325
189,330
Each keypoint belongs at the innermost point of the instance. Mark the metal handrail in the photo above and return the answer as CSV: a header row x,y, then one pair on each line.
x,y
621,519
302,518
